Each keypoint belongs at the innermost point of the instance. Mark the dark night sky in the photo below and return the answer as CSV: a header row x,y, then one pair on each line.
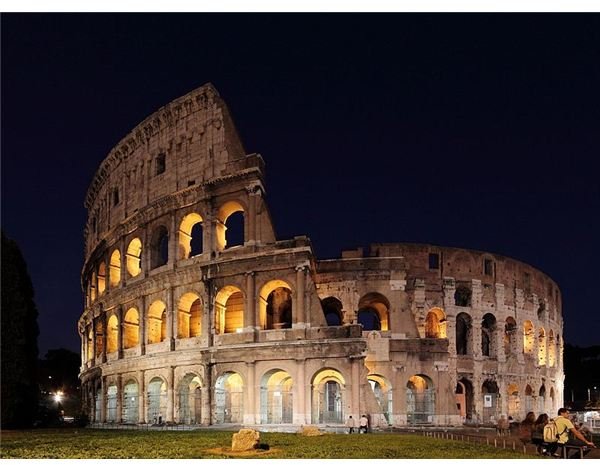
x,y
476,131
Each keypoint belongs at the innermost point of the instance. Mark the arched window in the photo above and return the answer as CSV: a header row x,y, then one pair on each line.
x,y
229,314
328,397
112,335
159,247
489,391
134,257
382,390
510,336
189,316
190,236
230,227
462,296
114,274
229,398
157,401
93,287
488,329
190,400
528,399
130,402
131,329
420,400
157,322
551,349
276,398
373,312
435,324
463,334
101,278
275,310
514,403
542,399
332,309
541,311
99,337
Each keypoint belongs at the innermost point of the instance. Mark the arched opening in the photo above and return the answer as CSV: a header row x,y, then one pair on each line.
x,y
551,349
542,347
462,296
435,324
552,400
99,337
328,397
190,400
514,402
92,287
114,272
464,399
382,390
420,400
134,257
276,398
98,405
112,335
489,390
528,337
157,401
230,227
528,399
131,328
488,329
157,322
510,336
189,316
463,334
101,278
332,309
111,404
130,402
541,311
542,399
190,236
275,307
229,390
90,345
159,247
229,314
373,312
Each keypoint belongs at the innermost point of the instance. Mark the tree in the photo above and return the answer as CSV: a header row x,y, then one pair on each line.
x,y
19,332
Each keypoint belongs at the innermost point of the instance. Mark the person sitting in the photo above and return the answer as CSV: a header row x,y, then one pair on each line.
x,y
526,428
537,436
564,426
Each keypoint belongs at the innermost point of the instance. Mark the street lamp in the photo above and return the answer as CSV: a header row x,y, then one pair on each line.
x,y
58,397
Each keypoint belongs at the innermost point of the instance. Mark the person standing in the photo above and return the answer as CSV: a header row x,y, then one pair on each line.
x,y
364,424
351,424
564,426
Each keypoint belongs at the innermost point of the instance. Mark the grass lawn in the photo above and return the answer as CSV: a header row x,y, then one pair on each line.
x,y
114,444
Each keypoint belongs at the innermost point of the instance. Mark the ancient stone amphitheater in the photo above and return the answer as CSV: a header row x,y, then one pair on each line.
x,y
195,313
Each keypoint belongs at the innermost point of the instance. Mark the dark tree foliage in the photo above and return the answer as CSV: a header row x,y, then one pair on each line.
x,y
582,377
19,340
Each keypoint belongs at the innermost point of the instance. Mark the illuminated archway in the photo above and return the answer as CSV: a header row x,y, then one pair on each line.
x,y
528,337
229,401
114,272
189,316
131,328
382,389
131,401
542,347
92,287
551,349
328,396
157,400
275,305
190,236
276,398
229,310
111,403
101,278
224,214
514,401
112,334
528,398
190,399
420,400
435,324
373,312
134,257
157,322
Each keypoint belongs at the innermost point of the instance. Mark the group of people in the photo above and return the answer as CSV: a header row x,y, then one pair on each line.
x,y
363,424
531,430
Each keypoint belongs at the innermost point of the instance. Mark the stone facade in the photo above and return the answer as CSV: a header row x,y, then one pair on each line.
x,y
196,314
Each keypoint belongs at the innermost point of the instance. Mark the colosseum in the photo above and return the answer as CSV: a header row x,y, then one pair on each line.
x,y
196,314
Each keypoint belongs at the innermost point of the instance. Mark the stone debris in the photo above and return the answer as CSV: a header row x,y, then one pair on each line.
x,y
245,439
307,430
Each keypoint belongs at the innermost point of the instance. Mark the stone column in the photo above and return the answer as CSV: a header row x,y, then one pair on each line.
x,y
145,258
499,342
301,408
250,308
355,407
170,393
251,217
141,397
503,394
120,329
103,389
451,334
104,338
142,337
93,360
119,398
476,336
207,314
123,264
205,414
251,389
299,310
173,243
171,319
83,349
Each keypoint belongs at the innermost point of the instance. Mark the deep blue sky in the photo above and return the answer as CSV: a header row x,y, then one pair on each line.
x,y
477,131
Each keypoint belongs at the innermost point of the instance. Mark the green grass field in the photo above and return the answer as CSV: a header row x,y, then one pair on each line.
x,y
115,444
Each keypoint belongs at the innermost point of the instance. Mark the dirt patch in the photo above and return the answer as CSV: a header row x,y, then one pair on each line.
x,y
246,453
